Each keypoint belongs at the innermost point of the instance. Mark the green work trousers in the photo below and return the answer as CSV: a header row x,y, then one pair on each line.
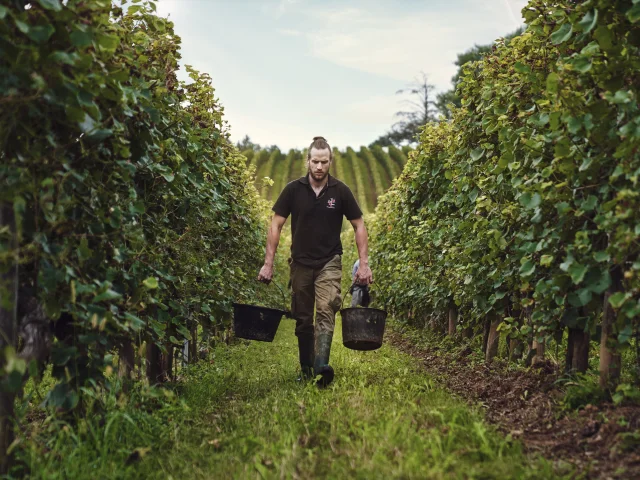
x,y
319,288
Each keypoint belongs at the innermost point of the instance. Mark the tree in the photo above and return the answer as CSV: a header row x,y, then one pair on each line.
x,y
422,110
247,144
425,109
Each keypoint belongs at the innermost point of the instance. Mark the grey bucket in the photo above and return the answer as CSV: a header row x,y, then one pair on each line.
x,y
363,328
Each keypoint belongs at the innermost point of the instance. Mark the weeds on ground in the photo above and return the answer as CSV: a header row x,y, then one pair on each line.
x,y
580,390
114,432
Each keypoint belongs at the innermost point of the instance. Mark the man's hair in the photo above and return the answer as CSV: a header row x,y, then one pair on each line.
x,y
319,143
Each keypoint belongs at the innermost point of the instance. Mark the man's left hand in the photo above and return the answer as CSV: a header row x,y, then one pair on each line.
x,y
364,275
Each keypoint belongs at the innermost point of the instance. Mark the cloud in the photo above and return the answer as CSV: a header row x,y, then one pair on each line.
x,y
400,45
279,65
377,110
511,12
289,32
275,8
284,6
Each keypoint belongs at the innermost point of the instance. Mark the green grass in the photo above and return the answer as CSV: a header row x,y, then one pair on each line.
x,y
242,415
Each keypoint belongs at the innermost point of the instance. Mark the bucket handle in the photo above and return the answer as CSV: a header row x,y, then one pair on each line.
x,y
345,295
287,312
284,299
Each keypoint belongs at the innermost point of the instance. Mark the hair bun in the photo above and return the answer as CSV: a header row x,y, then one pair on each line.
x,y
319,138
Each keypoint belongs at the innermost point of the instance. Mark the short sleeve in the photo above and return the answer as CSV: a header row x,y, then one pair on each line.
x,y
282,206
350,206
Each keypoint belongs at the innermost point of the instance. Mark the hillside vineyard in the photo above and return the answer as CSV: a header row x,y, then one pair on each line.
x,y
369,172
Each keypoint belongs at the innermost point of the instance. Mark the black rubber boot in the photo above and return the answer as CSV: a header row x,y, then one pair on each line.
x,y
321,364
306,374
306,353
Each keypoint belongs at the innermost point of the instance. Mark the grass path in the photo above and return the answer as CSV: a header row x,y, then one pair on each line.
x,y
242,415
381,418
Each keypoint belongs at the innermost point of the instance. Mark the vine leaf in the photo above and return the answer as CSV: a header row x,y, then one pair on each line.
x,y
617,299
580,298
477,154
577,272
40,33
108,43
151,283
51,5
553,80
589,21
530,201
634,13
108,295
582,64
562,34
99,135
527,268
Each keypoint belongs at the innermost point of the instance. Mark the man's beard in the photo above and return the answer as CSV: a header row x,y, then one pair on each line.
x,y
315,177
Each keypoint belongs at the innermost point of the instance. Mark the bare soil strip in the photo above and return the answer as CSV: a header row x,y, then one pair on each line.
x,y
601,441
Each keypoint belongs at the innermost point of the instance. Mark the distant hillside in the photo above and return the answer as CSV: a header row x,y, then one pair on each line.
x,y
368,172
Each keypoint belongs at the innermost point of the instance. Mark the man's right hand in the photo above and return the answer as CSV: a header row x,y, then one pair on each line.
x,y
364,276
266,273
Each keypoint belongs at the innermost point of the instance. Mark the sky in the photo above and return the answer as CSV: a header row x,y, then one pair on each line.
x,y
288,70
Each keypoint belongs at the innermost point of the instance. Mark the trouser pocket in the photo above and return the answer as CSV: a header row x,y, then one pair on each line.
x,y
336,301
328,298
336,280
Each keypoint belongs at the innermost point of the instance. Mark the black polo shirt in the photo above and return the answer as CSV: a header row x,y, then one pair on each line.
x,y
316,222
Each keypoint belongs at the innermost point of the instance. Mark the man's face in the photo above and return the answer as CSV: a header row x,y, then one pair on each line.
x,y
319,163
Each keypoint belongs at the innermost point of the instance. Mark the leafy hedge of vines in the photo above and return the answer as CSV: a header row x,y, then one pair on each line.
x,y
136,216
528,200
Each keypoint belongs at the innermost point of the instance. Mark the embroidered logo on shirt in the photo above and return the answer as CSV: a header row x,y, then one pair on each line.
x,y
331,203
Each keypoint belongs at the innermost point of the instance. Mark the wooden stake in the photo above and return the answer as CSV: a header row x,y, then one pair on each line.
x,y
568,359
167,363
126,363
154,363
193,345
453,320
540,350
609,355
515,349
485,334
580,360
493,340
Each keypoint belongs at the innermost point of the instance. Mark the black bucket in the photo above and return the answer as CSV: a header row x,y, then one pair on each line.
x,y
256,323
363,328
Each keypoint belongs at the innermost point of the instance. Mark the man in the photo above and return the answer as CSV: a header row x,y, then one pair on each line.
x,y
316,203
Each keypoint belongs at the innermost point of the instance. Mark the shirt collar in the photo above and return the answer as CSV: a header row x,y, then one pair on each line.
x,y
331,183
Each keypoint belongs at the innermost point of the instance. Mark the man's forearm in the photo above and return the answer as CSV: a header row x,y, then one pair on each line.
x,y
363,245
273,239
